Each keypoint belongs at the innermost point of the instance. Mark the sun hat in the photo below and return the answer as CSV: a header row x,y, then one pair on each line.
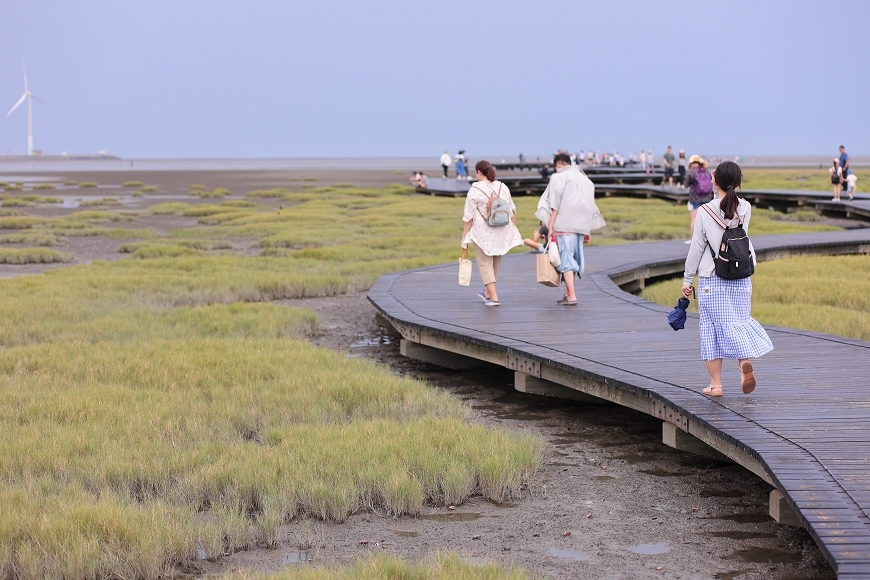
x,y
697,159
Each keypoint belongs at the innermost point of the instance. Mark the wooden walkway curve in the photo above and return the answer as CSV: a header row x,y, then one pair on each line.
x,y
805,430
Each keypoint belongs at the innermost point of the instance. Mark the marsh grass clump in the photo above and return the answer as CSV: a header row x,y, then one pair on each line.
x,y
441,566
169,207
205,245
148,189
88,184
828,294
11,212
33,256
137,193
217,192
196,187
44,186
32,239
275,192
132,184
16,202
70,182
310,179
100,202
13,187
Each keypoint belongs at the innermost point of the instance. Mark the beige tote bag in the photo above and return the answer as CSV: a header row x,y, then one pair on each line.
x,y
464,269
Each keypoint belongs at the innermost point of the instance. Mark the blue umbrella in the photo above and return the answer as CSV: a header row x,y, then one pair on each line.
x,y
677,316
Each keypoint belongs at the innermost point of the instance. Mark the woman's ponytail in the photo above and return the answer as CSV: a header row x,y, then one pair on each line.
x,y
728,177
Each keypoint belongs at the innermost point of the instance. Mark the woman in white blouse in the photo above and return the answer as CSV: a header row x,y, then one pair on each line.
x,y
490,243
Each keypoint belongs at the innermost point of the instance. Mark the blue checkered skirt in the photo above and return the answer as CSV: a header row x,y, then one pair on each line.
x,y
727,329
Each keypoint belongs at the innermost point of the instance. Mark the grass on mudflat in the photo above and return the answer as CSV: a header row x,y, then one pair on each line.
x,y
442,566
813,179
33,256
31,238
133,184
828,294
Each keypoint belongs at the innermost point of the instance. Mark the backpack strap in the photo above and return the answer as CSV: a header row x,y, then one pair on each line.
x,y
719,221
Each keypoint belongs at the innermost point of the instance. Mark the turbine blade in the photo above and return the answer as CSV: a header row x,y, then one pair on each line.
x,y
21,100
37,98
24,64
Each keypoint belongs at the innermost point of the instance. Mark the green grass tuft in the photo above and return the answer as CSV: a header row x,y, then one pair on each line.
x,y
133,184
148,189
441,566
44,186
33,256
32,239
88,184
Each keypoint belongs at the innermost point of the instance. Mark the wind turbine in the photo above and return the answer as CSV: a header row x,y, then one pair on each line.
x,y
28,96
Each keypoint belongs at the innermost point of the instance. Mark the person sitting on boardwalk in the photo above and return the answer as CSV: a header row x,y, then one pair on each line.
x,y
567,207
490,243
700,186
726,327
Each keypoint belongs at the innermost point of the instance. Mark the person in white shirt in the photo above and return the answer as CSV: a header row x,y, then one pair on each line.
x,y
446,160
568,209
490,243
836,178
851,181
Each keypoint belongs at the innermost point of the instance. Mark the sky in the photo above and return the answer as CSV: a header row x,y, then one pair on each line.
x,y
388,78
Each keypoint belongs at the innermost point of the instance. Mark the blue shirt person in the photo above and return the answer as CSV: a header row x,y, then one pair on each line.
x,y
844,162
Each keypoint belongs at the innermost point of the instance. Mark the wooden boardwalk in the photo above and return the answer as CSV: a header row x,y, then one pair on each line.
x,y
805,430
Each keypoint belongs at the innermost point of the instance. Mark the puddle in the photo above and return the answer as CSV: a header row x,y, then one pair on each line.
x,y
454,517
739,535
659,472
755,518
298,557
604,477
569,554
712,492
71,202
404,534
766,556
732,575
651,549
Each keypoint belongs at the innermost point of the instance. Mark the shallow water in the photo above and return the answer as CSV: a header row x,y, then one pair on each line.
x,y
651,549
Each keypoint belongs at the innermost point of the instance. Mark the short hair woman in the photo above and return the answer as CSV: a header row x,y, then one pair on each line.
x,y
490,243
726,327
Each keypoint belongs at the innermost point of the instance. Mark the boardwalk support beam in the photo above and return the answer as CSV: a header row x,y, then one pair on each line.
x,y
436,356
672,436
781,511
534,386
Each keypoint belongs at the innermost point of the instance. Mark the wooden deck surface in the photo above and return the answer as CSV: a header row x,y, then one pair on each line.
x,y
807,423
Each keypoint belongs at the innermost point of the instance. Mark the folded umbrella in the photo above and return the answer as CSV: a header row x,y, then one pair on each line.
x,y
677,316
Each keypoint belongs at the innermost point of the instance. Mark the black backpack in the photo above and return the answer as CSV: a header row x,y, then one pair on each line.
x,y
735,260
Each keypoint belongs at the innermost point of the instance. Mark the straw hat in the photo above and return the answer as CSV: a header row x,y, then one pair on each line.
x,y
697,159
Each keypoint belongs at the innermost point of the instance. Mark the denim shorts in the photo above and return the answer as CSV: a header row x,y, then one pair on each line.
x,y
570,253
693,206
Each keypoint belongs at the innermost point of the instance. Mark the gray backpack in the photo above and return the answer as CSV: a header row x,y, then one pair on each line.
x,y
498,211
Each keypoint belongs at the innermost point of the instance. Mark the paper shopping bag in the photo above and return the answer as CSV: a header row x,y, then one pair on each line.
x,y
547,274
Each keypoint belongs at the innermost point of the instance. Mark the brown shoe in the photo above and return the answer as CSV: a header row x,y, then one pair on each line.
x,y
747,379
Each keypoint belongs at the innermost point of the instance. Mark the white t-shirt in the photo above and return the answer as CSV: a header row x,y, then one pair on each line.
x,y
852,180
445,159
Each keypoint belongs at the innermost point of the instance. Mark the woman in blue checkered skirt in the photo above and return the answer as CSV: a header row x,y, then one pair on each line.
x,y
726,327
